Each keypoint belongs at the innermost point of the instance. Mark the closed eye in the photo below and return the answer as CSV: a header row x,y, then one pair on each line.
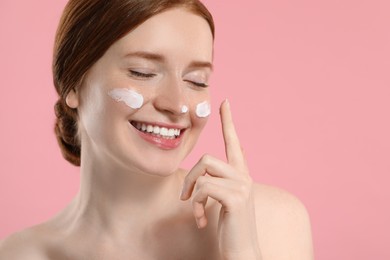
x,y
138,74
198,84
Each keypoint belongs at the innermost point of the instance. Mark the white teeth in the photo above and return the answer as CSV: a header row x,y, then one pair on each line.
x,y
156,130
163,131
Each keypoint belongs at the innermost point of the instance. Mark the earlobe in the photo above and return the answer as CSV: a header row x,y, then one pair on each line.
x,y
72,99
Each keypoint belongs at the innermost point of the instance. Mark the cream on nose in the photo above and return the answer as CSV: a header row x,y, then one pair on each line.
x,y
184,109
170,96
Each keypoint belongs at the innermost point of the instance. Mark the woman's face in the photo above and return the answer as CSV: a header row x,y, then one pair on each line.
x,y
167,62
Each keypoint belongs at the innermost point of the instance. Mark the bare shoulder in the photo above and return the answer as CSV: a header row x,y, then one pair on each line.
x,y
283,224
275,199
26,244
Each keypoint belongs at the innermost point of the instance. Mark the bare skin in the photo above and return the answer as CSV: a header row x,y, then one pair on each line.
x,y
280,237
132,208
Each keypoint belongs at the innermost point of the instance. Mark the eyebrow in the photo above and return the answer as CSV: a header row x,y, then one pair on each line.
x,y
160,58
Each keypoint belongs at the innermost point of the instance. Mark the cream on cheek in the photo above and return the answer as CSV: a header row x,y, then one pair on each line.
x,y
130,97
135,100
203,109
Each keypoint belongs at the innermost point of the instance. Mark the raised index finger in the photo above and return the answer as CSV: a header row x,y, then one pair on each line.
x,y
233,150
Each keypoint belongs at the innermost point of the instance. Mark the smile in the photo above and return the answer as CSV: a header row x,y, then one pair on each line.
x,y
163,132
163,136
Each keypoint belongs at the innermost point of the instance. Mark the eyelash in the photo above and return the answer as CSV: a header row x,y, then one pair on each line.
x,y
141,75
151,75
202,85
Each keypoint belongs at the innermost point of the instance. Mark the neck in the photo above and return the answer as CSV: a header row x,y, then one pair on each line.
x,y
116,200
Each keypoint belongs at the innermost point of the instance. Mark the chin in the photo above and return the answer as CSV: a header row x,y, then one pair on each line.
x,y
158,170
155,163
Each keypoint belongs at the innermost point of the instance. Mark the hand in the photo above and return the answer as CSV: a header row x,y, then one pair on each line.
x,y
229,184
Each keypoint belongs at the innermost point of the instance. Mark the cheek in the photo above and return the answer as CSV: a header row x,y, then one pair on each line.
x,y
103,108
200,111
198,103
199,107
197,123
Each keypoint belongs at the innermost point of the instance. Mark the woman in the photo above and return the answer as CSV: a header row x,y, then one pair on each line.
x,y
132,78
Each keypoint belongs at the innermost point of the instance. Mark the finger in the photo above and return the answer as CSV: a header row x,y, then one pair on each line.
x,y
244,159
222,190
223,183
232,144
198,209
212,190
200,206
206,165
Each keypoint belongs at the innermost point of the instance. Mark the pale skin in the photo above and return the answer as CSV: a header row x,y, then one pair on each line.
x,y
132,208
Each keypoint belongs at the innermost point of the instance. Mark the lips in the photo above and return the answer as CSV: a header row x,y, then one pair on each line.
x,y
163,136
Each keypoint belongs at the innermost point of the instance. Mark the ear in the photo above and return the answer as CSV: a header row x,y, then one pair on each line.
x,y
72,100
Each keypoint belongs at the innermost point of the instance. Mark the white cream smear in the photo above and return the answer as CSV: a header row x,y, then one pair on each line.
x,y
203,109
184,109
130,97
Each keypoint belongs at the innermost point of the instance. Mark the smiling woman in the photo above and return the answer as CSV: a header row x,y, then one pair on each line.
x,y
132,79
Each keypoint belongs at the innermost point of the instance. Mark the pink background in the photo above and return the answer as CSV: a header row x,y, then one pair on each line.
x,y
309,86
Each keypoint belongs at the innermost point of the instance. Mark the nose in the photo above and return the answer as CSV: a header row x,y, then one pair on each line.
x,y
170,97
